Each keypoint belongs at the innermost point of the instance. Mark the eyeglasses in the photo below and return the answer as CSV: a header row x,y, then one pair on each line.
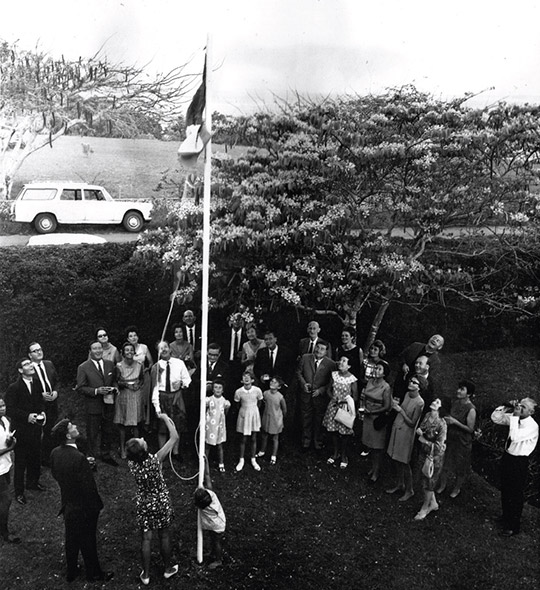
x,y
36,350
101,335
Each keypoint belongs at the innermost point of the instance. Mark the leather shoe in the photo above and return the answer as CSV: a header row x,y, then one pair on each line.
x,y
21,499
508,533
103,577
74,575
110,461
37,488
12,539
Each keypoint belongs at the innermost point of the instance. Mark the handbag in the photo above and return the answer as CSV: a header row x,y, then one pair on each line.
x,y
343,416
380,421
428,467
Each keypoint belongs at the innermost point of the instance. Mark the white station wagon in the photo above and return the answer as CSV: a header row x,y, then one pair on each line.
x,y
46,204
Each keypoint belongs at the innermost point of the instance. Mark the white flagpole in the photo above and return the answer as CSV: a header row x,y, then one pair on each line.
x,y
205,280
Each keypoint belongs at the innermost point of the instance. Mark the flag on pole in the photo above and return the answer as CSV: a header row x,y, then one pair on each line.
x,y
197,135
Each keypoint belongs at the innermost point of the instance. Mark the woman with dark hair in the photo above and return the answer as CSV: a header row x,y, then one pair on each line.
x,y
376,352
182,349
128,406
154,509
349,349
461,422
376,399
143,356
250,348
110,352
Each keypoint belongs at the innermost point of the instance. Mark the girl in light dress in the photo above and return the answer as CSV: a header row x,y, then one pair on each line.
x,y
216,432
249,419
275,410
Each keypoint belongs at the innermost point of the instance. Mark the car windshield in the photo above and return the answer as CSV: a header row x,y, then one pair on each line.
x,y
38,194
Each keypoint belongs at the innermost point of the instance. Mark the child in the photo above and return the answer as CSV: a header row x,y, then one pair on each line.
x,y
212,518
249,419
216,433
275,410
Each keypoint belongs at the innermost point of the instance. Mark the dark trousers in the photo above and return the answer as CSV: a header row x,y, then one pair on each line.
x,y
96,423
27,461
80,535
47,443
513,479
312,411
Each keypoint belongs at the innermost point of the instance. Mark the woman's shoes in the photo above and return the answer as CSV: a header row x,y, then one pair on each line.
x,y
221,468
173,571
273,460
455,493
344,463
255,465
425,511
260,454
240,465
406,496
394,490
331,460
144,580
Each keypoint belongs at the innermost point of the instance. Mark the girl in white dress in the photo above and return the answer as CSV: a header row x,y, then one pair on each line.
x,y
249,418
216,432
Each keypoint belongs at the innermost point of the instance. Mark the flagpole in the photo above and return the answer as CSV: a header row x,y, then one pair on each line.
x,y
205,281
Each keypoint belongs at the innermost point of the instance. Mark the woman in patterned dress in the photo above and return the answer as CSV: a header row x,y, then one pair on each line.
x,y
461,423
154,508
128,404
143,356
344,390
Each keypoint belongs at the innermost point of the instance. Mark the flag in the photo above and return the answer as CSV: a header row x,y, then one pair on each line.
x,y
197,135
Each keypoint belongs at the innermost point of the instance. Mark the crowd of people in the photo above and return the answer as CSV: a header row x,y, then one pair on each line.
x,y
252,384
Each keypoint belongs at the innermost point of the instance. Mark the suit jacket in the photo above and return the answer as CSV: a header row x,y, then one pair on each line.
x,y
52,376
220,371
89,379
226,346
197,343
304,347
318,378
20,403
78,488
283,364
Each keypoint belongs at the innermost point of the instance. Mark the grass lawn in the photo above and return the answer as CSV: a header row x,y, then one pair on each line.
x,y
305,524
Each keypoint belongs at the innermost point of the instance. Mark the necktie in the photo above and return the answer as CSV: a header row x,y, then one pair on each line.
x,y
100,369
46,385
317,363
272,359
310,349
168,378
191,339
236,343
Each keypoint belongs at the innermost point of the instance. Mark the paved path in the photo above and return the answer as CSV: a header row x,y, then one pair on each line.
x,y
22,240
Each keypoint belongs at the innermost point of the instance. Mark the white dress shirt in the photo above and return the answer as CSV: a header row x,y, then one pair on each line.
x,y
523,434
180,379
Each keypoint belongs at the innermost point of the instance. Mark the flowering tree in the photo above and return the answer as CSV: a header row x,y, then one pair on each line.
x,y
307,215
42,98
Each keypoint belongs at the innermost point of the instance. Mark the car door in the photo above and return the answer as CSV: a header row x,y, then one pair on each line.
x,y
98,208
70,206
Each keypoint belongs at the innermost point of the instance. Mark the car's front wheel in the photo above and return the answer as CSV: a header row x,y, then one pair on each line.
x,y
133,221
45,223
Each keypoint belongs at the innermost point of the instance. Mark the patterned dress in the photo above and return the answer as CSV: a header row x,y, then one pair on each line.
x,y
128,406
216,431
341,390
154,508
434,429
272,420
457,458
249,418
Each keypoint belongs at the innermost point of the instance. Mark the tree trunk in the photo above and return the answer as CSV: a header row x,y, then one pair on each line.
x,y
376,324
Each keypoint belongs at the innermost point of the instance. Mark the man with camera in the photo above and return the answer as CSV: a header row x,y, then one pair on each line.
x,y
25,407
95,379
521,442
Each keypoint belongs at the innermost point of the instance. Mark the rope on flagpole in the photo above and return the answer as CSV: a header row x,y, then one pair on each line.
x,y
173,299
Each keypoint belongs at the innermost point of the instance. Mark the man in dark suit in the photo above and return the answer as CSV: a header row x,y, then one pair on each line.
x,y
314,374
307,345
81,503
47,376
95,378
25,407
232,349
273,360
192,331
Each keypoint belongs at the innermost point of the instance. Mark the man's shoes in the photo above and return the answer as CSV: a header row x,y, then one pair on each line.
x,y
37,488
110,461
12,539
102,577
73,576
21,499
318,446
508,533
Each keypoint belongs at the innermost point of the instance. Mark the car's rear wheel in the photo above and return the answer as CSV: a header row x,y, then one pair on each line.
x,y
133,221
45,223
